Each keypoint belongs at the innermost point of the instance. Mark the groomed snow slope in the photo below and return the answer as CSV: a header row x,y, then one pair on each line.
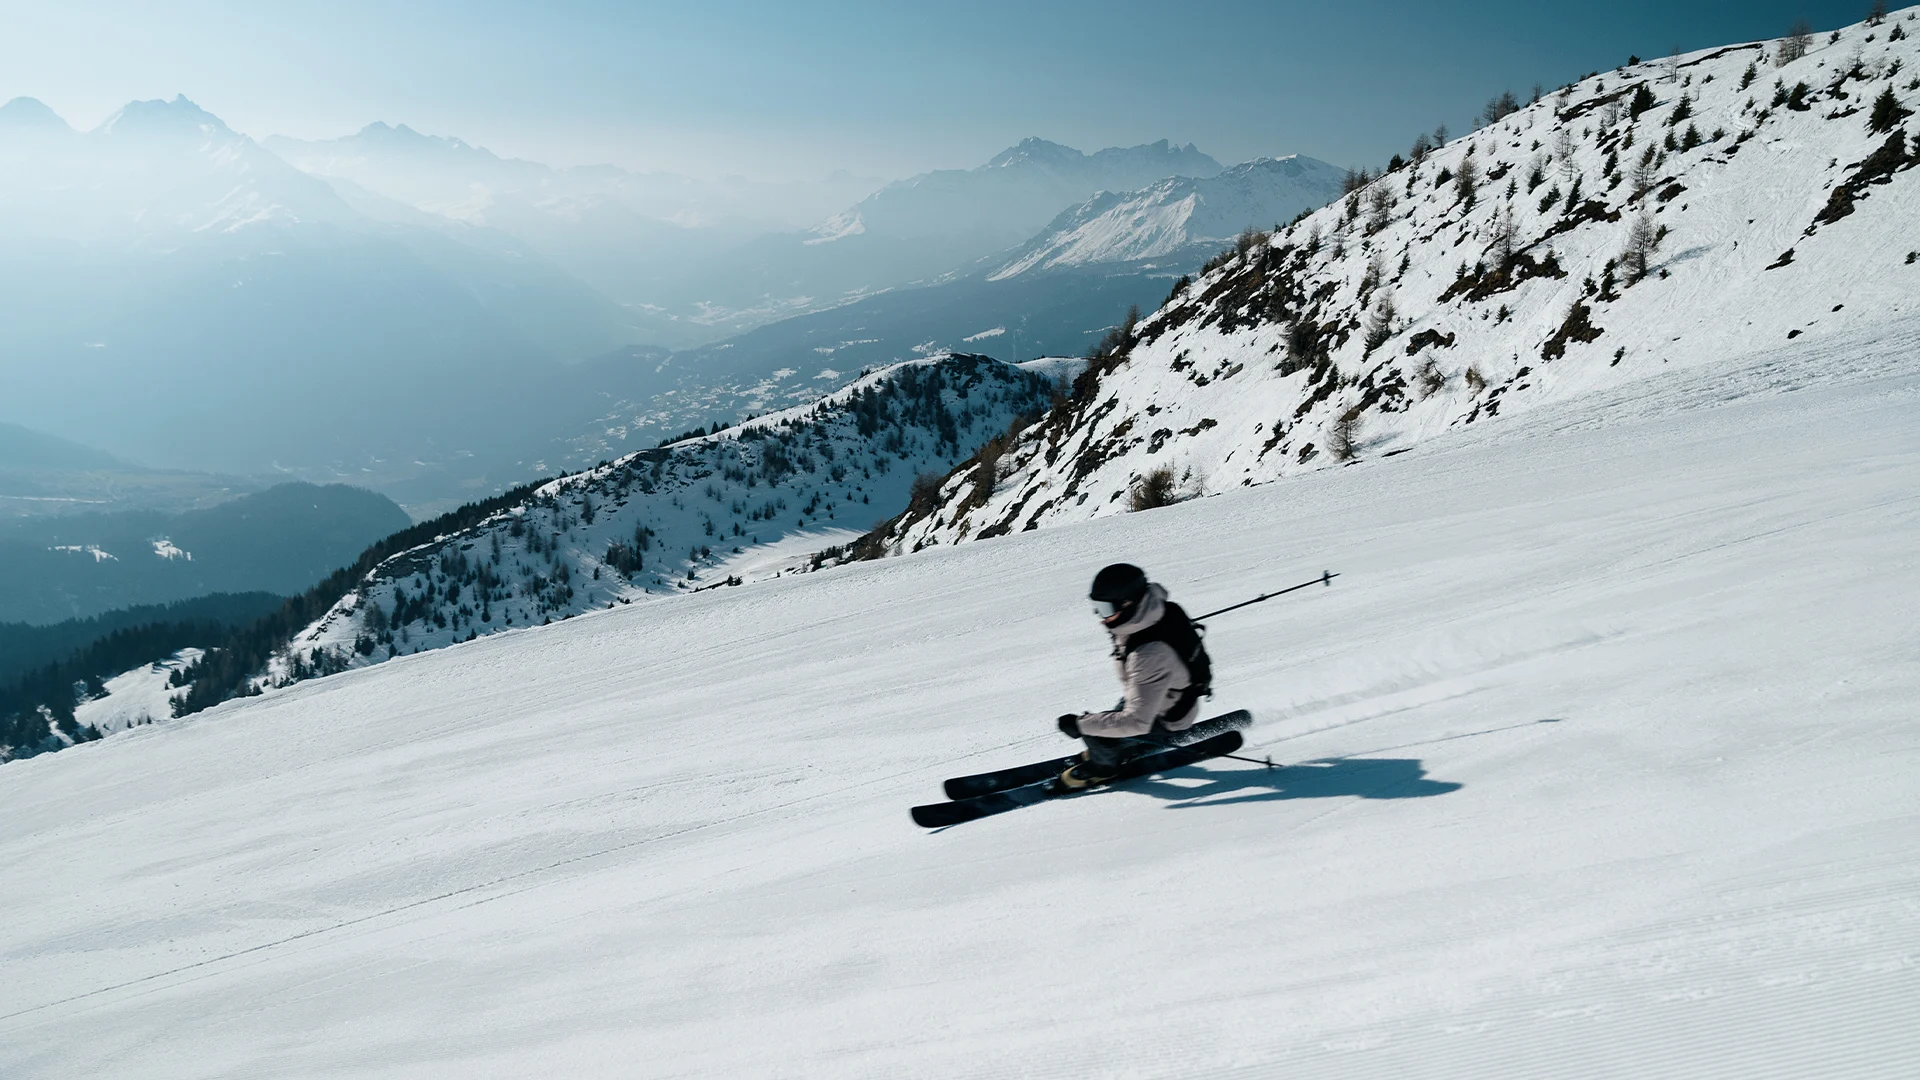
x,y
1600,763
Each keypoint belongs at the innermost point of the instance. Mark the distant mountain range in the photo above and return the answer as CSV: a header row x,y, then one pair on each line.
x,y
927,228
43,475
1178,221
279,541
1005,200
172,292
698,262
637,237
422,316
1057,294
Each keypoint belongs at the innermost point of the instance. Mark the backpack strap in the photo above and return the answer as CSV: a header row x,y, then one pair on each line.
x,y
1183,637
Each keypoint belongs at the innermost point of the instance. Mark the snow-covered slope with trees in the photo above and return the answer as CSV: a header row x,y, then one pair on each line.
x,y
144,695
1179,218
1674,213
1597,762
717,508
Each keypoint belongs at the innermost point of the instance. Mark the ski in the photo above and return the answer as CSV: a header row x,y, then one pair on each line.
x,y
967,787
939,815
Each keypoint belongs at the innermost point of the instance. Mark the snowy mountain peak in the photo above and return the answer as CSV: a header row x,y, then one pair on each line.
x,y
1181,218
402,139
1162,157
161,119
1006,200
1034,149
25,114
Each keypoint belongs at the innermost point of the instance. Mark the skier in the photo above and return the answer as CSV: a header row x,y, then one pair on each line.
x,y
1162,663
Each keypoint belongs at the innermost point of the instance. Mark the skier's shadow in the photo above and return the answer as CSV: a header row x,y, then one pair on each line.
x,y
1328,778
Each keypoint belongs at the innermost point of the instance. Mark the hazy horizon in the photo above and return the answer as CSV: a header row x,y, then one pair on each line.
x,y
780,93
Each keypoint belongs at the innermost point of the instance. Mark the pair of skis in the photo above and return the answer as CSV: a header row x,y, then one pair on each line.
x,y
985,794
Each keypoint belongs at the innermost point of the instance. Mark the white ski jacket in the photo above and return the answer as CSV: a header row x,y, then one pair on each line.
x,y
1154,675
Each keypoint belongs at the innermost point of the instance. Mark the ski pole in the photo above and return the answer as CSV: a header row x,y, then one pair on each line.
x,y
1267,761
1326,578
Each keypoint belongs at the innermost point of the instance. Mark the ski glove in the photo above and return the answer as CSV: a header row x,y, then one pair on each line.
x,y
1070,725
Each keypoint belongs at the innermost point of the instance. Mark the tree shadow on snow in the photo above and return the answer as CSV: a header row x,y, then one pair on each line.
x,y
1366,778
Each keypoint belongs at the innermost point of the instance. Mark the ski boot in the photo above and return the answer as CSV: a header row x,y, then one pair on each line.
x,y
1085,774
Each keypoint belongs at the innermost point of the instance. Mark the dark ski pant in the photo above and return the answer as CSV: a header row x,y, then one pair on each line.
x,y
1106,753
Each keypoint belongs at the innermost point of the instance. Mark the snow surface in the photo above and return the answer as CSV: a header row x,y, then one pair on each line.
x,y
1599,761
167,549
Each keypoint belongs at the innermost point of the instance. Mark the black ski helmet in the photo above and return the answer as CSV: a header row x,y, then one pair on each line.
x,y
1122,585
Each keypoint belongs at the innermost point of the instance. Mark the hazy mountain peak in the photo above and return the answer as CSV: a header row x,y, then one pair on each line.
x,y
25,448
30,114
402,137
1290,165
1183,217
1007,199
1034,149
1162,157
157,117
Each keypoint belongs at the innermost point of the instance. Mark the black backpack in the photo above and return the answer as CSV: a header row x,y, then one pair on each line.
x,y
1178,631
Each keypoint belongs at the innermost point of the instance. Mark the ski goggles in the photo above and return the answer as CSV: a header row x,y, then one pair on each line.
x,y
1107,609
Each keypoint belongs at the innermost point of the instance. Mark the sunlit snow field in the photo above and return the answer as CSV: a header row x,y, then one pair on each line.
x,y
1600,761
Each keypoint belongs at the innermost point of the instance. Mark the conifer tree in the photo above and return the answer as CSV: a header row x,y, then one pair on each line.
x,y
1887,112
1642,101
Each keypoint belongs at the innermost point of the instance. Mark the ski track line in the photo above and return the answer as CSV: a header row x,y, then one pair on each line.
x,y
1412,681
1349,802
1362,755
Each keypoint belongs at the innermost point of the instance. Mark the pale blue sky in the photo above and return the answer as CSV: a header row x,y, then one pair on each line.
x,y
796,89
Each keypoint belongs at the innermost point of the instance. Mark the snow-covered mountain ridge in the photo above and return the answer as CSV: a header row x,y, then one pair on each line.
x,y
1012,195
155,172
1178,216
1663,214
719,508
